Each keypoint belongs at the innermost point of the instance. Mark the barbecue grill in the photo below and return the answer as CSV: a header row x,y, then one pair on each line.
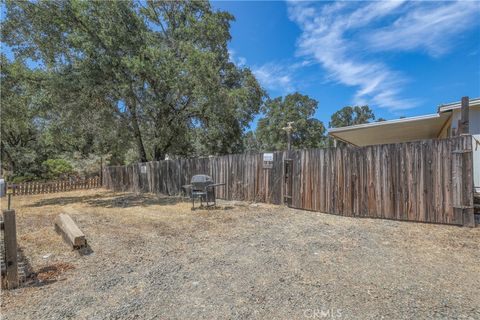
x,y
203,187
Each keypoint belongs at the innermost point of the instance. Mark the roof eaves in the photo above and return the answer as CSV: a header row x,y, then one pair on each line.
x,y
383,123
456,105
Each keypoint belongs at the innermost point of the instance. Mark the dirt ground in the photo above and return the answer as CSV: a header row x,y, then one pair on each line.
x,y
152,257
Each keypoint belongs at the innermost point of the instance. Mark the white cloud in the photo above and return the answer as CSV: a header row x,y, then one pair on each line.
x,y
275,77
281,76
237,60
342,36
427,27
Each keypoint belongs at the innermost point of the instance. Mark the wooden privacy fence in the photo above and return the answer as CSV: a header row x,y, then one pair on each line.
x,y
427,181
28,188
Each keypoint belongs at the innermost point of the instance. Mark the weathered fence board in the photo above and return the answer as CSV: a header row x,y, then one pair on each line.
x,y
428,181
29,188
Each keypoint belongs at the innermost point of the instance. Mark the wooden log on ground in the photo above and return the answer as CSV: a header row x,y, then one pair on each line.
x,y
65,225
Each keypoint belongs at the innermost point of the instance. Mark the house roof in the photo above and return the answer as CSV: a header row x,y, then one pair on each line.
x,y
399,130
457,105
392,131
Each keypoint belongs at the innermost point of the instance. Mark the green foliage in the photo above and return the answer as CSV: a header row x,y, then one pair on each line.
x,y
308,132
23,177
116,76
57,169
22,146
129,81
349,116
86,166
251,143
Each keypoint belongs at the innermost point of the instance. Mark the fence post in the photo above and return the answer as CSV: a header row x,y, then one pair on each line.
x,y
468,185
463,123
101,171
462,181
10,238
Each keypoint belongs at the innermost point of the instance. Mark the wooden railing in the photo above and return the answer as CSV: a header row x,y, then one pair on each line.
x,y
30,188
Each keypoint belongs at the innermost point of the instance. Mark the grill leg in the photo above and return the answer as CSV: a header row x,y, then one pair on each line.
x,y
193,201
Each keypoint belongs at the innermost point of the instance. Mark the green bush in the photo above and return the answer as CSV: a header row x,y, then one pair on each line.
x,y
22,178
57,169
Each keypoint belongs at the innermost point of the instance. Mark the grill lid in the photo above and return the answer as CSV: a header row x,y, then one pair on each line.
x,y
201,178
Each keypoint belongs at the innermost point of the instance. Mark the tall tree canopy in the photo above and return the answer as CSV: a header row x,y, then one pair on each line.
x,y
34,128
251,144
135,80
159,69
20,136
308,132
349,116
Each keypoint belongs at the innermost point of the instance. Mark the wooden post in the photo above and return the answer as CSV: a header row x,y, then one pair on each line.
x,y
10,238
462,182
101,171
464,117
467,181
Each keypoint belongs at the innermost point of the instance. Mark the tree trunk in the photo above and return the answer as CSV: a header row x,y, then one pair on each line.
x,y
158,154
136,132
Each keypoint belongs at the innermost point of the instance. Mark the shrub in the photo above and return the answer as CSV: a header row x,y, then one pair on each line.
x,y
57,169
22,178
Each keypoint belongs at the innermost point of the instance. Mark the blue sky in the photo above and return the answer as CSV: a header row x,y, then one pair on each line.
x,y
400,58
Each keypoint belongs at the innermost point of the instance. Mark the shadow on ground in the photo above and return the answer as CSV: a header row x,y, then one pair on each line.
x,y
212,207
132,200
113,201
48,274
85,251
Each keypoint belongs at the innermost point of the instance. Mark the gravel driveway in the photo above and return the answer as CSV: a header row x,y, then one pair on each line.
x,y
154,258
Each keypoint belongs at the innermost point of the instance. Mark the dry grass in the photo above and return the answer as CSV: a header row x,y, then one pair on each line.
x,y
152,256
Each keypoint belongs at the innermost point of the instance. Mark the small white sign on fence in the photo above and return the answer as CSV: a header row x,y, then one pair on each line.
x,y
268,160
143,168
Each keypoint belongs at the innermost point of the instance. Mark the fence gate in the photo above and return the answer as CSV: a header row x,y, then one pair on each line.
x,y
287,181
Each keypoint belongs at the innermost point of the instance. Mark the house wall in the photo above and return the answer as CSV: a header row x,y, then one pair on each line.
x,y
474,119
474,130
476,162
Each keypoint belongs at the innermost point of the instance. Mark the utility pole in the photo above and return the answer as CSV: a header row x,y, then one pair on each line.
x,y
289,130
